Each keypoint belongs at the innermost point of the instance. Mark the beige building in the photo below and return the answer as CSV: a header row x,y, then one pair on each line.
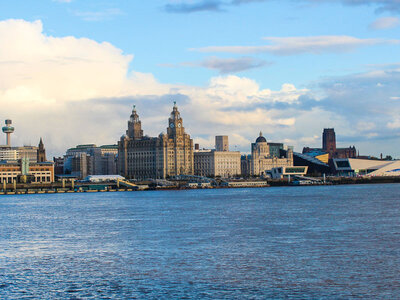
x,y
261,159
6,153
142,157
15,153
219,162
40,172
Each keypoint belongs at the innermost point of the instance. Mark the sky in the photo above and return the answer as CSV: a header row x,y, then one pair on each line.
x,y
71,70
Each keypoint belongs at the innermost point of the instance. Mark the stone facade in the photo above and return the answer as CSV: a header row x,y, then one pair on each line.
x,y
212,163
261,159
142,157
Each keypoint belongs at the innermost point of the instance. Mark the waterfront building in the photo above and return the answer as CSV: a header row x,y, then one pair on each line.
x,y
329,147
365,167
316,167
245,161
42,172
58,165
261,159
89,159
285,172
217,162
142,157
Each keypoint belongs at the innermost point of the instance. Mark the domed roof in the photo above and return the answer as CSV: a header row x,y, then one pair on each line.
x,y
261,139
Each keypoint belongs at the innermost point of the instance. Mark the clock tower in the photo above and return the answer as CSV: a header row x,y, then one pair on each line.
x,y
175,124
134,126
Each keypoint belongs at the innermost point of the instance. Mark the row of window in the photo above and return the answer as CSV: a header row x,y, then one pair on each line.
x,y
36,179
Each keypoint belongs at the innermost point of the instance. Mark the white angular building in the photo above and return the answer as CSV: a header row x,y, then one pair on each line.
x,y
366,167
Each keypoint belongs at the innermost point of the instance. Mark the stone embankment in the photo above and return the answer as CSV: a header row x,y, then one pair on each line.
x,y
18,189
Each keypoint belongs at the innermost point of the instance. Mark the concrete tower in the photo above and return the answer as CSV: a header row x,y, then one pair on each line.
x,y
221,143
8,129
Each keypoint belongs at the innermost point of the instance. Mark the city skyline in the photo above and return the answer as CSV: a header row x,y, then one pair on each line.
x,y
295,68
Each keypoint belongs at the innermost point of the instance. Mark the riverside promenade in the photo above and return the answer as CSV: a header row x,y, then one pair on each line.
x,y
79,187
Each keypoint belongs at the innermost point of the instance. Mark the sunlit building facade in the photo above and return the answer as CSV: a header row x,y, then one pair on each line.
x,y
143,157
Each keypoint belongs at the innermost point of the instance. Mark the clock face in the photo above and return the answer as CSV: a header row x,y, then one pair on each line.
x,y
172,125
179,125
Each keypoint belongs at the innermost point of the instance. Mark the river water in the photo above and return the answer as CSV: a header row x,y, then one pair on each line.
x,y
333,242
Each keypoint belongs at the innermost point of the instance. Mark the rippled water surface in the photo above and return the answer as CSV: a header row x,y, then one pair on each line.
x,y
297,242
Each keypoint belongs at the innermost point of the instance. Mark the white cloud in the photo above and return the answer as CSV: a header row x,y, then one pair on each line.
x,y
43,75
385,23
106,14
300,45
395,124
227,65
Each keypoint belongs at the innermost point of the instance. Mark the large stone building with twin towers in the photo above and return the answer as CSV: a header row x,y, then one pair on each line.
x,y
141,157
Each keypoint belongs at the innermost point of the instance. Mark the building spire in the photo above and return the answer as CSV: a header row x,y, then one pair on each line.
x,y
260,133
41,152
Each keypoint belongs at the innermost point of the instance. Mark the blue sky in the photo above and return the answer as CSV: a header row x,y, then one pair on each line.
x,y
287,68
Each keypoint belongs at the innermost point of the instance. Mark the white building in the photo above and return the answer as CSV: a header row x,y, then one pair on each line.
x,y
212,163
366,167
283,172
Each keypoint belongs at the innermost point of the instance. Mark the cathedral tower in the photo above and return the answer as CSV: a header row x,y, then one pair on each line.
x,y
329,141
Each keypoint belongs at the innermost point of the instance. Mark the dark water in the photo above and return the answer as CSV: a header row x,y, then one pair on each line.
x,y
335,242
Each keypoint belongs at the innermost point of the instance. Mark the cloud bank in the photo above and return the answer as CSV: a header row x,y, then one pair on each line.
x,y
75,90
385,23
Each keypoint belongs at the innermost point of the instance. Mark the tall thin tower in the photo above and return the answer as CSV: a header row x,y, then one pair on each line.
x,y
8,129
